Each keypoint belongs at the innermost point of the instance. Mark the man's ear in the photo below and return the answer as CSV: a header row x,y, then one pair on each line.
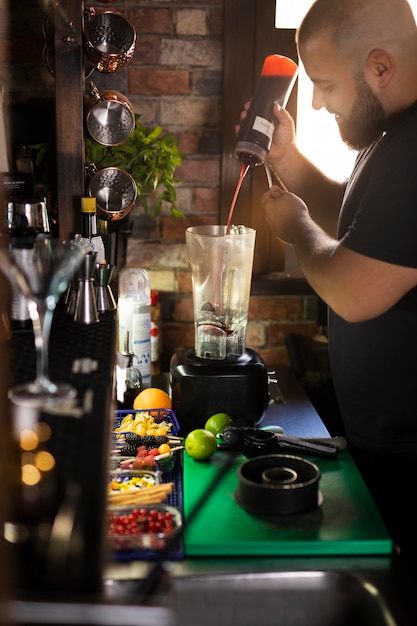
x,y
379,68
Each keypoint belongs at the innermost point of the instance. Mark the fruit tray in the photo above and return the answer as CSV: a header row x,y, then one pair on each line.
x,y
175,500
145,429
158,415
142,528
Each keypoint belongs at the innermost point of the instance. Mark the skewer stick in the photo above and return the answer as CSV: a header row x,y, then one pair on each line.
x,y
147,495
165,455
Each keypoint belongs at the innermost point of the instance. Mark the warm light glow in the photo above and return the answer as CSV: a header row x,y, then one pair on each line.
x,y
30,475
28,440
289,13
43,431
44,461
317,131
318,135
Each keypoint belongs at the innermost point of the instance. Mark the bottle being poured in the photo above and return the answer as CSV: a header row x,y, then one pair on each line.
x,y
275,84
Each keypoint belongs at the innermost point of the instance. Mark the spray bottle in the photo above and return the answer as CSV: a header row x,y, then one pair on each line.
x,y
134,318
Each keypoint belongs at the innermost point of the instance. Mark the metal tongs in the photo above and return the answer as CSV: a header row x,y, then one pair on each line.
x,y
319,447
256,442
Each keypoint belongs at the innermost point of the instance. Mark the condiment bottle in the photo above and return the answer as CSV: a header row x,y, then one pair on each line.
x,y
155,333
134,317
277,78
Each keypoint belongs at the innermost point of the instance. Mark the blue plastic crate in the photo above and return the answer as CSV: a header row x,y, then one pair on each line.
x,y
159,415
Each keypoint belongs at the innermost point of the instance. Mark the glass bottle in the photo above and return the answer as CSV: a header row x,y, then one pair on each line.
x,y
128,376
89,228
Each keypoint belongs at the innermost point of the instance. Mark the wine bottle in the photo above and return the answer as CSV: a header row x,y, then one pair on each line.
x,y
89,234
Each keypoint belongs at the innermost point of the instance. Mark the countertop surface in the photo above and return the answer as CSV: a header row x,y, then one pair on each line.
x,y
292,411
149,583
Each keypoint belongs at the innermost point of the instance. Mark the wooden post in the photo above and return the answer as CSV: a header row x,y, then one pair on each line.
x,y
69,90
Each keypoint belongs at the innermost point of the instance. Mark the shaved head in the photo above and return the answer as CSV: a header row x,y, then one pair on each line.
x,y
355,27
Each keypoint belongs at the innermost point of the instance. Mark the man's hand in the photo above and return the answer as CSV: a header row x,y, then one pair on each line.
x,y
283,210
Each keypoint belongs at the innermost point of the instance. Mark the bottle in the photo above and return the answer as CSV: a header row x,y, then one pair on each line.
x,y
133,384
275,83
128,377
89,228
155,333
22,244
134,317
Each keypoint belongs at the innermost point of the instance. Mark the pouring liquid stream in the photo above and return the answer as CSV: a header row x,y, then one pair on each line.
x,y
244,170
219,318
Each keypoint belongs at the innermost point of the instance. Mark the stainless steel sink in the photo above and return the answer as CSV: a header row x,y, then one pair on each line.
x,y
301,598
317,598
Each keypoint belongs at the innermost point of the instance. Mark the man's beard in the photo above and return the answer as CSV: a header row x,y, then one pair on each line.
x,y
367,120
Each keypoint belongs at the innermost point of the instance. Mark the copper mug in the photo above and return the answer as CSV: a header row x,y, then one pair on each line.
x,y
109,40
110,117
115,191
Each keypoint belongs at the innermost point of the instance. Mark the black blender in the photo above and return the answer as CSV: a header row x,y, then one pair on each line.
x,y
219,374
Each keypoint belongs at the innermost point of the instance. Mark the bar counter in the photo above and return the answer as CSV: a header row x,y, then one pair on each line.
x,y
290,409
129,587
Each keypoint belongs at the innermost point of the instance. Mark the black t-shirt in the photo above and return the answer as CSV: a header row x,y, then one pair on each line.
x,y
374,363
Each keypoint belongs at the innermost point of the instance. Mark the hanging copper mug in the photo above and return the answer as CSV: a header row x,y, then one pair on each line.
x,y
109,40
115,191
110,118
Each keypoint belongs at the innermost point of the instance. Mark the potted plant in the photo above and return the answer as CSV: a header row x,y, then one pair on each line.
x,y
150,157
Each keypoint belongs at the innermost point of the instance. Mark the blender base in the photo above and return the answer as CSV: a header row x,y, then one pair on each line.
x,y
202,387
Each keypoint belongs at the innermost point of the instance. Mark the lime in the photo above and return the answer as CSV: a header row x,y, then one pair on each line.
x,y
218,422
200,444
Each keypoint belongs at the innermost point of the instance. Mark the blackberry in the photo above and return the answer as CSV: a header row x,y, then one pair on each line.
x,y
159,440
148,441
128,450
133,439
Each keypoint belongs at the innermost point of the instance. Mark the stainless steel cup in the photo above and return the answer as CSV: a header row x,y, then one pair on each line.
x,y
115,191
110,118
85,305
104,297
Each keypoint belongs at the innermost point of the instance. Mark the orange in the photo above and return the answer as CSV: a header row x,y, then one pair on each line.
x,y
152,398
200,444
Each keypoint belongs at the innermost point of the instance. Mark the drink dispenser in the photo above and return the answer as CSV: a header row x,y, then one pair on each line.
x,y
220,374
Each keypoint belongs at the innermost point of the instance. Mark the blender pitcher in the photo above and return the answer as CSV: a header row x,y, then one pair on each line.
x,y
221,260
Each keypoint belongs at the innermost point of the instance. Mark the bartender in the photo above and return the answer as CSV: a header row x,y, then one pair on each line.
x,y
357,243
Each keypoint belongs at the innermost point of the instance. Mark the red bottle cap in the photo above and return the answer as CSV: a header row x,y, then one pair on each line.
x,y
277,65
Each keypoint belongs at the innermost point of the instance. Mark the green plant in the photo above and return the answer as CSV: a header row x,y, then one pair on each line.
x,y
150,157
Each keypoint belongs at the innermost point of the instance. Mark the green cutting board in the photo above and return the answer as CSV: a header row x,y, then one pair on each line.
x,y
347,522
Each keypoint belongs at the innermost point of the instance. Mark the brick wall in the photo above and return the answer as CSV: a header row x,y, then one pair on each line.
x,y
175,80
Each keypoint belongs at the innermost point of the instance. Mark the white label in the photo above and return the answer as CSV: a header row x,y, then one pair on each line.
x,y
263,126
97,244
141,345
